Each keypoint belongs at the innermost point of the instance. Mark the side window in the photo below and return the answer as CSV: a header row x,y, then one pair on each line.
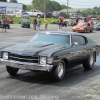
x,y
79,39
84,40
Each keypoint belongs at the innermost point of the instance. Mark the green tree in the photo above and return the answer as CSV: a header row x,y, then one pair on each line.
x,y
24,7
29,7
14,1
64,6
78,12
3,0
56,5
49,5
93,12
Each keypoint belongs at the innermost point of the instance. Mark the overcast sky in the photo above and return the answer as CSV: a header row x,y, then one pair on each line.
x,y
72,3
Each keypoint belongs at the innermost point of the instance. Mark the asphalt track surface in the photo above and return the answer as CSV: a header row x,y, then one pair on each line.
x,y
77,84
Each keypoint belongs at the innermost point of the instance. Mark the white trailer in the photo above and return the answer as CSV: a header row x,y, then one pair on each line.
x,y
11,8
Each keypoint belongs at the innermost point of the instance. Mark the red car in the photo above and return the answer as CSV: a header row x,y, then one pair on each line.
x,y
83,27
10,20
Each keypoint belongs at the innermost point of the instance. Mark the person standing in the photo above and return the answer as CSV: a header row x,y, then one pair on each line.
x,y
3,22
77,19
46,23
90,21
34,23
38,23
60,24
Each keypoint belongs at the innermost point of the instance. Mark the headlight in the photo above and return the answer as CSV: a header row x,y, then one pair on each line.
x,y
73,28
82,28
42,60
5,55
50,60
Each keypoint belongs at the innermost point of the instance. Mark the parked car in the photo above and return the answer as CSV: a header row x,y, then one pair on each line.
x,y
7,25
10,20
96,26
35,13
68,49
25,23
20,21
83,27
57,14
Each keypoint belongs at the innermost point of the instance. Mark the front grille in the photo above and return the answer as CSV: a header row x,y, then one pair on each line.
x,y
22,58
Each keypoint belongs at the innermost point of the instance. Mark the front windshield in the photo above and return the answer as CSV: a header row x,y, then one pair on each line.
x,y
82,24
52,38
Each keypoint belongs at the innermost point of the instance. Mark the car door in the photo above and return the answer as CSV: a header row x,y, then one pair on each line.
x,y
89,27
79,50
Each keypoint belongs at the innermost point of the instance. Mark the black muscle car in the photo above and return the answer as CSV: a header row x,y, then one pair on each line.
x,y
52,52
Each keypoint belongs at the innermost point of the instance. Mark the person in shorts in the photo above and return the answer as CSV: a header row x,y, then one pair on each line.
x,y
3,22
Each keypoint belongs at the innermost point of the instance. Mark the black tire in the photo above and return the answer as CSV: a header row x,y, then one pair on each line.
x,y
85,31
39,15
89,63
12,71
56,73
29,26
91,30
8,27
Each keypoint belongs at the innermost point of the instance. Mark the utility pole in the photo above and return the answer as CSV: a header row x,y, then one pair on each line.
x,y
44,10
67,6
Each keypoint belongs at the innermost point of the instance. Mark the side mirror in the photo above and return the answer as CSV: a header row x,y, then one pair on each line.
x,y
75,44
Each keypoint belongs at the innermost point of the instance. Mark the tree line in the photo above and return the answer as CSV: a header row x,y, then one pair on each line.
x,y
39,4
49,5
94,11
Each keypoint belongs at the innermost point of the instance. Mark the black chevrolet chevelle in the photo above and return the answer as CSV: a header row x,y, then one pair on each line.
x,y
52,52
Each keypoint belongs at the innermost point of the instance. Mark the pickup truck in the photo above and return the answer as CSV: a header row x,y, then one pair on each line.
x,y
35,13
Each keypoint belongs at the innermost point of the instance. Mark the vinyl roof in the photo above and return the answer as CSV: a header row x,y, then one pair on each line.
x,y
60,32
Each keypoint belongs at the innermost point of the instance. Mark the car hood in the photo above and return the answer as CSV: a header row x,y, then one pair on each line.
x,y
45,49
78,26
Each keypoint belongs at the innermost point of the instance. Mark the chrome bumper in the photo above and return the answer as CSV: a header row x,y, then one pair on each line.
x,y
27,66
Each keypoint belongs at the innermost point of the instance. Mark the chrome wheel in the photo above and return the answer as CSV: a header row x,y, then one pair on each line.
x,y
91,60
60,70
89,63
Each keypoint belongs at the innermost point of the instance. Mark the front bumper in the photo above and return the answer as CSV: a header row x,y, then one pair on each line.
x,y
27,66
78,30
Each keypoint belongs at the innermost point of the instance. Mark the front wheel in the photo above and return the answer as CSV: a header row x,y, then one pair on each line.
x,y
59,71
85,31
12,71
89,63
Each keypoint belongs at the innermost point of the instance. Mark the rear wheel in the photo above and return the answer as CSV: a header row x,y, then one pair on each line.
x,y
91,30
89,63
12,71
59,71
